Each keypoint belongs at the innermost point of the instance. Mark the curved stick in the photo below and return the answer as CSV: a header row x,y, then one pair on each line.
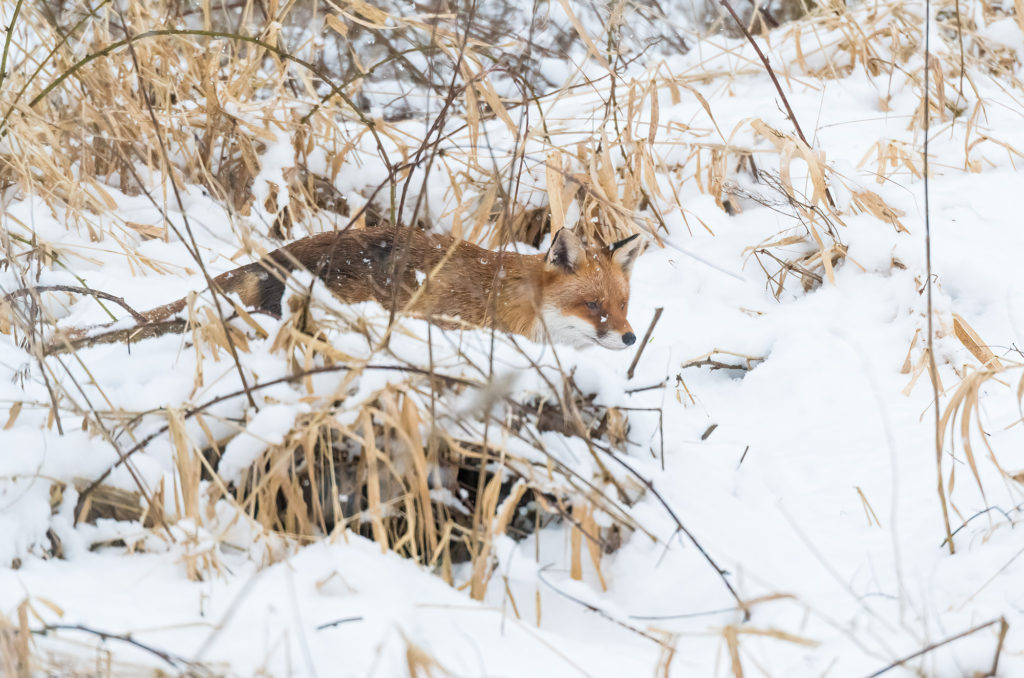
x,y
24,291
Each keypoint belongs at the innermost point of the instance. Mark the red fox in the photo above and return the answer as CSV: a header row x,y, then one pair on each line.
x,y
573,294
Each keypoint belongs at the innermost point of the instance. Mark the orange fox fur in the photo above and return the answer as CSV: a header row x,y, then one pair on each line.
x,y
572,294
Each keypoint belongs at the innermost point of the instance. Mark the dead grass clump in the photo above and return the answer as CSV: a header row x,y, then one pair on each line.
x,y
970,414
428,493
963,420
16,644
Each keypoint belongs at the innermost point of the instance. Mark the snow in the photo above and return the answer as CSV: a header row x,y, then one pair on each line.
x,y
815,490
267,427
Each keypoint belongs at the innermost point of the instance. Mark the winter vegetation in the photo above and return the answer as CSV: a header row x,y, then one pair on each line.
x,y
810,463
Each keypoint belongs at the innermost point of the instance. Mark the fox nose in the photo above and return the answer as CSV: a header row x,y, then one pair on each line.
x,y
628,338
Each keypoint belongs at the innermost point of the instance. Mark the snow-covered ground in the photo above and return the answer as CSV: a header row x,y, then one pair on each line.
x,y
815,490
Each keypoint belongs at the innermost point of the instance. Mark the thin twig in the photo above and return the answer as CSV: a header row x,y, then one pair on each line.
x,y
933,646
1003,627
775,81
715,365
680,527
960,39
174,660
643,344
594,608
7,42
981,513
684,615
337,622
768,68
743,456
76,290
650,387
214,290
932,367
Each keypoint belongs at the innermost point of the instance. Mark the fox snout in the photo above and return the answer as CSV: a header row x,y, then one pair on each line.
x,y
581,330
613,331
616,339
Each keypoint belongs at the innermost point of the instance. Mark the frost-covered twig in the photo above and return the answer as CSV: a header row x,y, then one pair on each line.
x,y
144,330
74,289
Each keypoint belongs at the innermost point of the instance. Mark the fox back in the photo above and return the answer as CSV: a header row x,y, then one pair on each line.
x,y
573,294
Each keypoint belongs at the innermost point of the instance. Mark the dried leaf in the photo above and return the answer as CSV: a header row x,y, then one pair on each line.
x,y
487,91
871,202
576,543
973,343
12,415
732,642
591,47
372,456
555,184
336,25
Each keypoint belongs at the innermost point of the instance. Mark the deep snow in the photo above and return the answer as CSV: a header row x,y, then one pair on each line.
x,y
842,584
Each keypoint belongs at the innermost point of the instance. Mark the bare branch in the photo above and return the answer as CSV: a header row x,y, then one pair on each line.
x,y
74,289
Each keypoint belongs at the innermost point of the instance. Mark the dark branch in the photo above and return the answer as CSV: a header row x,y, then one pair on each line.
x,y
933,646
73,289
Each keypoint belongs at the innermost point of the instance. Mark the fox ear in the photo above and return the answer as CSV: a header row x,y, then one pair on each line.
x,y
566,251
625,252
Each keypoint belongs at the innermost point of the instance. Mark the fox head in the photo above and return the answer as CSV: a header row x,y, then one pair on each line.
x,y
585,294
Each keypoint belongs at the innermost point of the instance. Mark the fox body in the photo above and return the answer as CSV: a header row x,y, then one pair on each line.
x,y
573,294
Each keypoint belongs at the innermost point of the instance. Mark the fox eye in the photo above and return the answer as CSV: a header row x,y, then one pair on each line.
x,y
622,306
592,306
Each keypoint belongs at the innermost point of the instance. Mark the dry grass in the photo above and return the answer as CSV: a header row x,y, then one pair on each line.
x,y
178,97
